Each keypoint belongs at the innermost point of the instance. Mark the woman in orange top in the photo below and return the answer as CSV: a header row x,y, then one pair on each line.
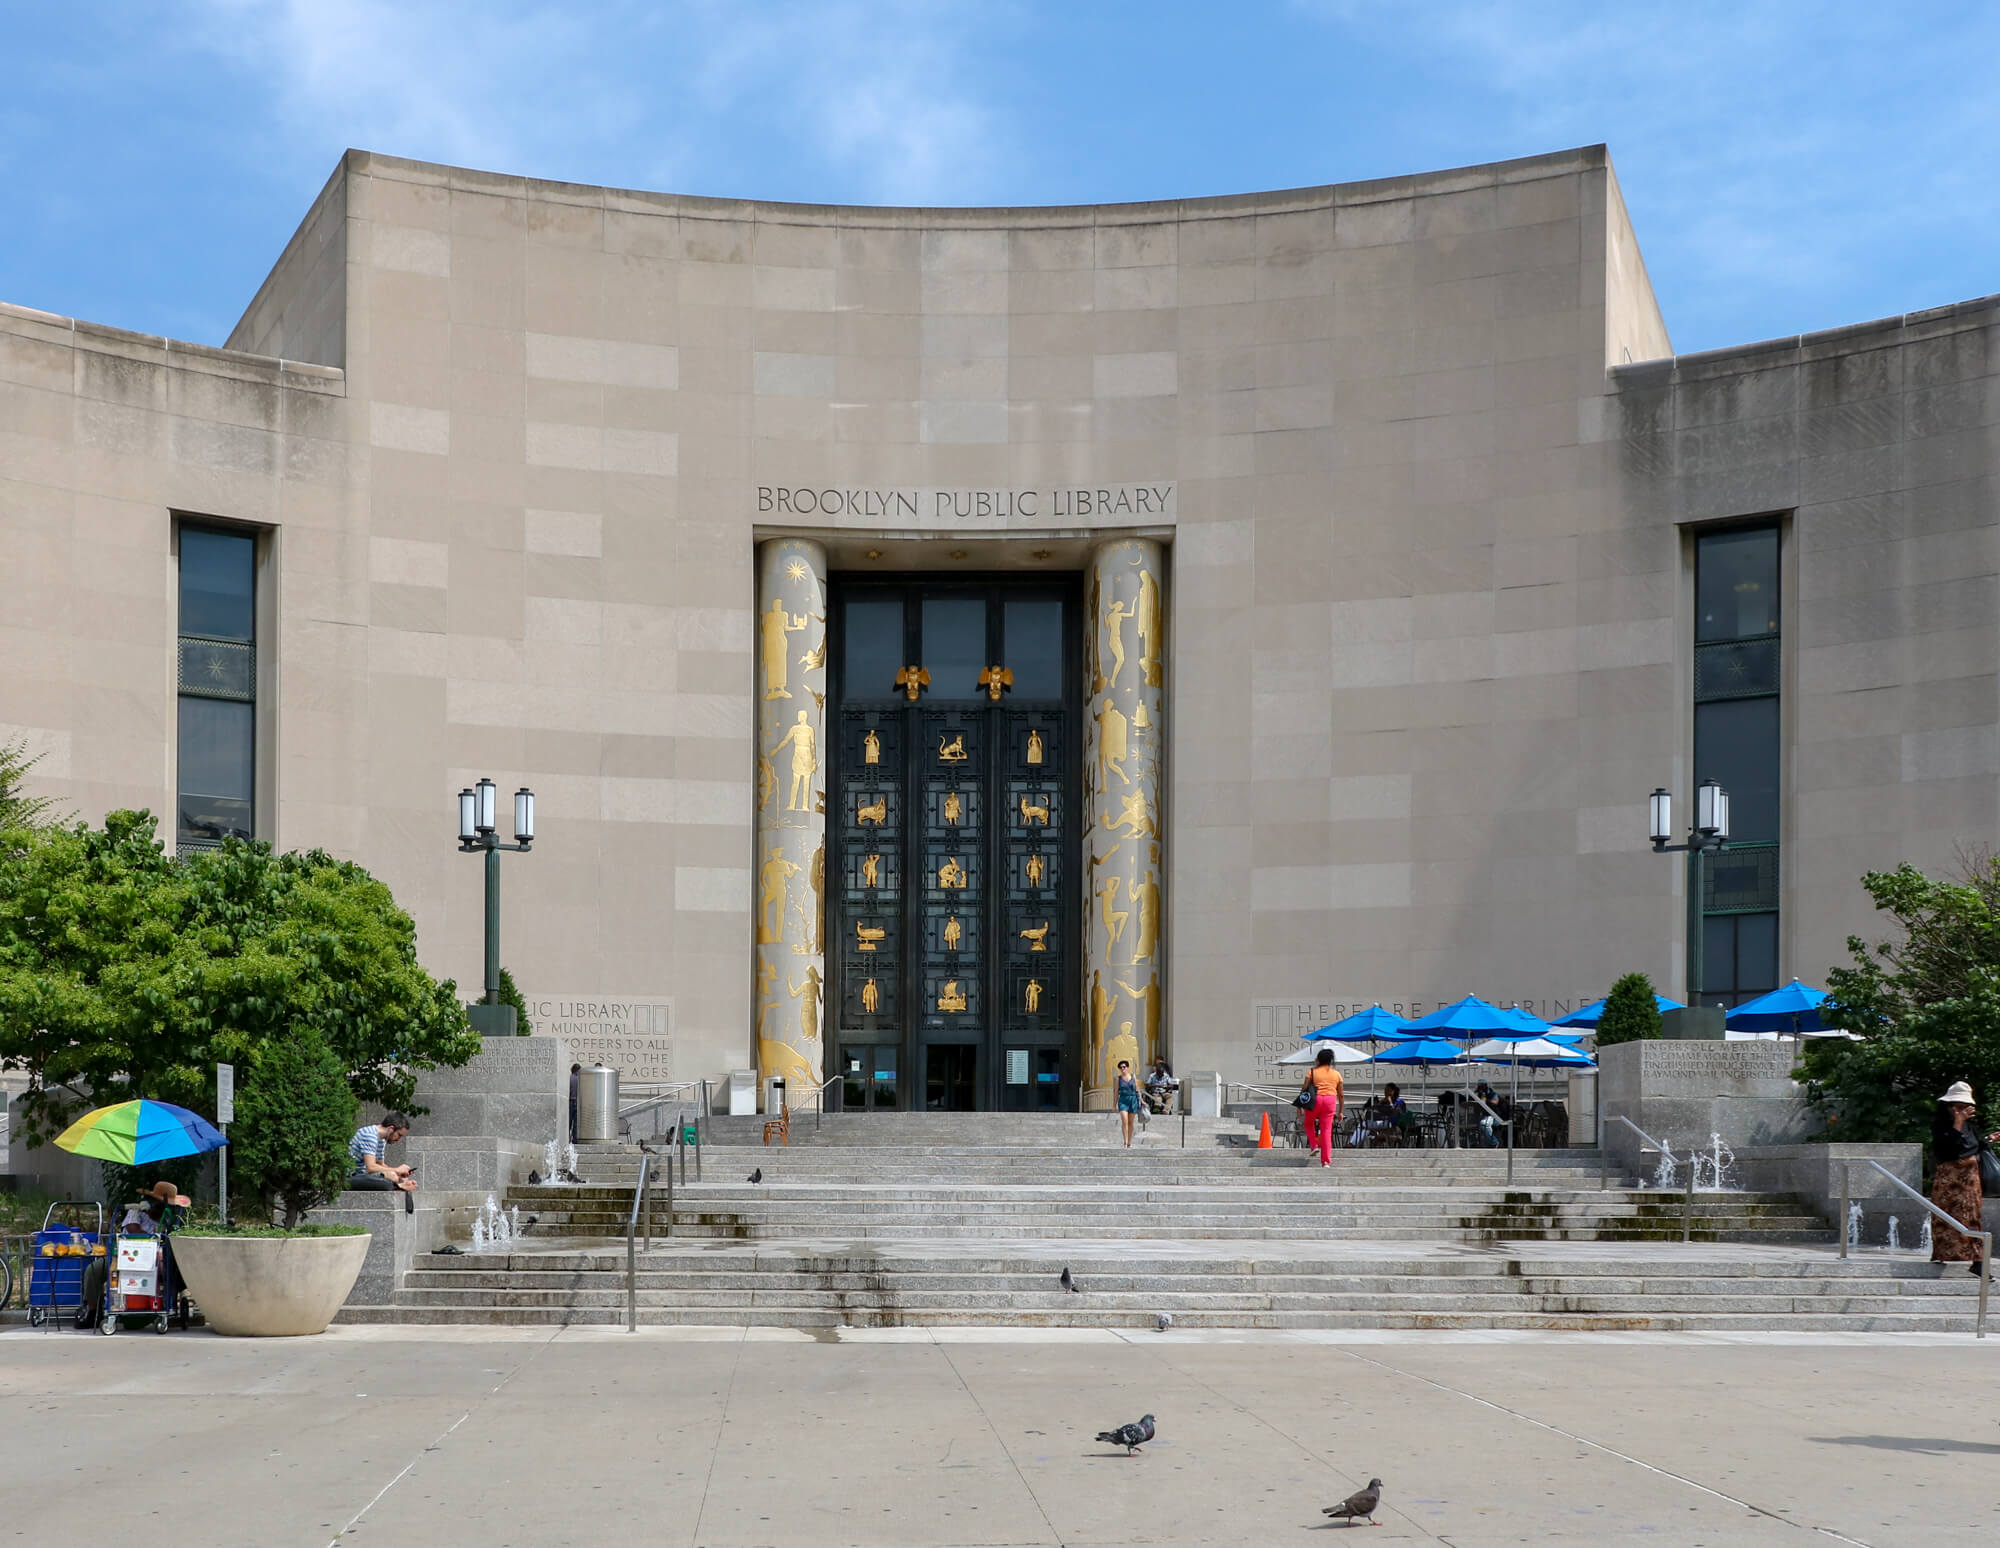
x,y
1324,1081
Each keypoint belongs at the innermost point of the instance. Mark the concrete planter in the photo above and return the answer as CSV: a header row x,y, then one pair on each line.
x,y
269,1286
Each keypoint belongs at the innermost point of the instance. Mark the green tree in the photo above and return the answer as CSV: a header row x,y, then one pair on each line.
x,y
16,809
509,995
293,1121
126,973
1925,1006
1630,1012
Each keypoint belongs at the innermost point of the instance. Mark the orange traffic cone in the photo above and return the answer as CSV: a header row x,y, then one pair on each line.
x,y
1264,1133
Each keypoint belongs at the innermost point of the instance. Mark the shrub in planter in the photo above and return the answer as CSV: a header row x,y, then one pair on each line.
x,y
1630,1012
293,1122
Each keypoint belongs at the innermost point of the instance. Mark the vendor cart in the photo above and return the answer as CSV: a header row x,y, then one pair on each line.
x,y
143,1285
71,1237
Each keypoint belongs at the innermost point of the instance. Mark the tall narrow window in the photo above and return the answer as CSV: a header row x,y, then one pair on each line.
x,y
1736,744
218,687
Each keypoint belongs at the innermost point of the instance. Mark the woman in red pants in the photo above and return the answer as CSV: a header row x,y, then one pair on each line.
x,y
1324,1081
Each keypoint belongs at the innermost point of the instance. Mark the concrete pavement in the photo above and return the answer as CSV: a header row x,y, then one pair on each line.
x,y
705,1436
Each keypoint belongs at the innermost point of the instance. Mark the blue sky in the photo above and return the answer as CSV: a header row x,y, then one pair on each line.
x,y
1788,166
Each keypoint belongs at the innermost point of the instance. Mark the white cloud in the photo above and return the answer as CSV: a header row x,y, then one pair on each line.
x,y
880,95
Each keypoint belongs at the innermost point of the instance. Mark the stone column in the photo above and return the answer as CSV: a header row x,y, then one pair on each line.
x,y
1123,746
788,898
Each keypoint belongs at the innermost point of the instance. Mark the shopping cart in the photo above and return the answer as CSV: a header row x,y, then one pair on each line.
x,y
62,1250
143,1285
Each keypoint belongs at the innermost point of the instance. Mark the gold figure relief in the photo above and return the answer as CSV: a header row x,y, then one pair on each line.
x,y
951,876
951,997
767,781
1146,893
1147,619
805,763
875,811
1036,869
871,747
772,876
913,680
1033,812
954,808
807,994
815,658
1037,937
1132,816
996,680
1034,745
776,624
952,750
871,998
868,937
1113,916
1140,719
1147,998
954,932
1114,621
1113,747
1031,997
818,879
871,871
764,993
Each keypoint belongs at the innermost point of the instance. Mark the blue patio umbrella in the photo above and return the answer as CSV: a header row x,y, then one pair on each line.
x,y
1424,1051
1794,1008
1373,1025
1468,1016
1589,1015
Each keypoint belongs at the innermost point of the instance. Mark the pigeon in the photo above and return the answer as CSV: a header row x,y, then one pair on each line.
x,y
648,1149
1164,1321
1069,1283
757,1176
534,1178
1130,1436
1362,1503
447,1251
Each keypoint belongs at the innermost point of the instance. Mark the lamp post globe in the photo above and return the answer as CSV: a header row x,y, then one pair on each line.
x,y
478,833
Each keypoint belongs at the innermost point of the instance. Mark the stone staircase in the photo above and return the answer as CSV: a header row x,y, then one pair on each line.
x,y
920,1222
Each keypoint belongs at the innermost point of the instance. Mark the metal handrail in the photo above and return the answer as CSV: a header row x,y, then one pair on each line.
x,y
661,1096
1604,1156
819,1101
1985,1238
631,1230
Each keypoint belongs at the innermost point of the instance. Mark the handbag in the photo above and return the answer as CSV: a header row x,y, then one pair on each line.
x,y
1305,1099
1989,1174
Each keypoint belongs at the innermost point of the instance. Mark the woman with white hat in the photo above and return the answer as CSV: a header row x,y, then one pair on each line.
x,y
1955,1147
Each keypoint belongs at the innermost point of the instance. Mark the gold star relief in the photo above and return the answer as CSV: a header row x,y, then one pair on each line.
x,y
796,569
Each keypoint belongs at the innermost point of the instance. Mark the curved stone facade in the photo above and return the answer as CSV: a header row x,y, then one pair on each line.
x,y
1420,471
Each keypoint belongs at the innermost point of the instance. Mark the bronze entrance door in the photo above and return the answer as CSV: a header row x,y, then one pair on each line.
x,y
952,833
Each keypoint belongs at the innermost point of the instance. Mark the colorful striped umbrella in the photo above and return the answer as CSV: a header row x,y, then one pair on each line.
x,y
134,1133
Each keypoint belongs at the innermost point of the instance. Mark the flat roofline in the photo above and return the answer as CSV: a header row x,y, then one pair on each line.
x,y
157,349
1849,338
1372,191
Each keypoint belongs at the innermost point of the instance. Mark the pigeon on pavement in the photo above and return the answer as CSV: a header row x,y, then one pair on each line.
x,y
757,1176
1362,1503
534,1178
1068,1283
1130,1436
1165,1321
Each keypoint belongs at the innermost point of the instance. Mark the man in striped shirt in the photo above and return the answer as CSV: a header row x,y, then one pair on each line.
x,y
372,1171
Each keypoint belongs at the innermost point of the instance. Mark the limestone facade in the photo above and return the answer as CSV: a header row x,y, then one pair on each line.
x,y
1420,464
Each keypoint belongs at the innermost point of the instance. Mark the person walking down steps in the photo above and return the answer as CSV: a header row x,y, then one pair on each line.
x,y
1956,1147
1128,1099
1323,1117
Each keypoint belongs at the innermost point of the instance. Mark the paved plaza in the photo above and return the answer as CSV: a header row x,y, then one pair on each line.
x,y
531,1437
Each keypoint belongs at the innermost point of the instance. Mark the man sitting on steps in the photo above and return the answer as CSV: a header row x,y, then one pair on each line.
x,y
372,1171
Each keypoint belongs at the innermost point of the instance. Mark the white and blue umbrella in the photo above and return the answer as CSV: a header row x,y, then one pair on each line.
x,y
1538,1053
1794,1009
1342,1054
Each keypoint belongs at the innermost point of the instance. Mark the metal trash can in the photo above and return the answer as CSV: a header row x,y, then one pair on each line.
x,y
596,1105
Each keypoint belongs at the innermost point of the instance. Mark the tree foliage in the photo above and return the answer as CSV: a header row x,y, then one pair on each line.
x,y
293,1123
126,973
1924,1004
1630,1012
509,995
16,809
